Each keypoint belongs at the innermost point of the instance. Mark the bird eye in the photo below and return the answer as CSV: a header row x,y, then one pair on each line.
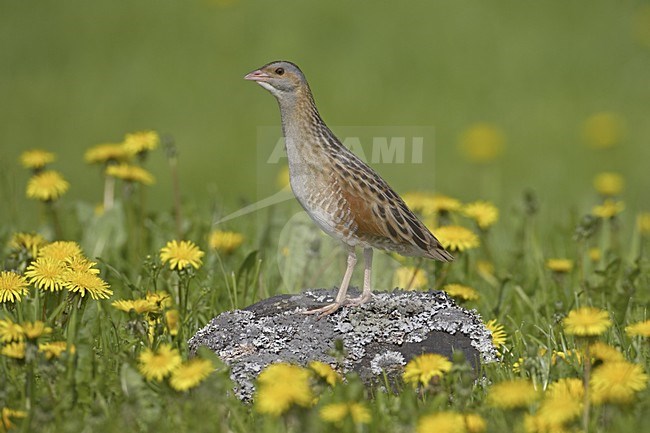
x,y
279,71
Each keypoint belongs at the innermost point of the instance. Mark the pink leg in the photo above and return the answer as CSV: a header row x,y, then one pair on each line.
x,y
366,295
343,290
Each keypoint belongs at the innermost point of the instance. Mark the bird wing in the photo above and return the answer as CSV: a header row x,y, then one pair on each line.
x,y
381,216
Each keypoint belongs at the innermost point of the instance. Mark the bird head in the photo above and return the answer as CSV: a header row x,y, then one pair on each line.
x,y
281,78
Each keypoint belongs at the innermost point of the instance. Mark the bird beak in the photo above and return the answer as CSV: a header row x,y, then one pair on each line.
x,y
258,75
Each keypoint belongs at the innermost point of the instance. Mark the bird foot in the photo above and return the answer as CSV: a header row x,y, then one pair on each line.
x,y
324,311
359,300
334,306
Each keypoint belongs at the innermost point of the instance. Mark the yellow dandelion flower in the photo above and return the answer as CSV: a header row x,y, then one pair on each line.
x,y
181,255
140,306
34,330
594,254
609,184
457,238
431,204
173,321
549,421
325,372
586,322
156,365
499,335
12,286
568,356
8,414
533,424
474,423
617,382
61,250
191,373
516,366
604,352
36,158
359,413
570,387
425,367
107,152
559,409
83,282
639,329
10,331
609,209
275,374
225,241
282,180
484,213
462,292
442,422
441,203
14,350
28,241
81,264
337,412
141,141
410,278
512,394
482,142
643,223
334,412
47,185
161,299
419,202
280,386
130,173
54,349
560,266
603,130
46,273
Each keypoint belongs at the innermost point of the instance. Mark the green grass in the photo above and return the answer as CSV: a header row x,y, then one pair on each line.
x,y
99,388
76,74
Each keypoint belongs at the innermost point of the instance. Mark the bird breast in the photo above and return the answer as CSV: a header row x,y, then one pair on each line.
x,y
319,192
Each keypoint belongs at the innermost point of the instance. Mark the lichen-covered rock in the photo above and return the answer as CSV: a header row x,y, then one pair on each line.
x,y
380,336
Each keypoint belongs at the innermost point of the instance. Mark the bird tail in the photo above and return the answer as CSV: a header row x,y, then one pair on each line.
x,y
437,252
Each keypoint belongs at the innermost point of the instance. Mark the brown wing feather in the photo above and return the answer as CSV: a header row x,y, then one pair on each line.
x,y
383,219
364,219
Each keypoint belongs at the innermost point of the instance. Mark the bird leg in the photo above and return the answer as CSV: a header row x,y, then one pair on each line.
x,y
366,295
343,289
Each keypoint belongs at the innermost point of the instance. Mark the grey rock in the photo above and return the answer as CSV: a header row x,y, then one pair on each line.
x,y
380,336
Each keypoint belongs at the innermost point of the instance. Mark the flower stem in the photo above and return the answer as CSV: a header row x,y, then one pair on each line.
x,y
29,395
416,268
172,158
141,232
586,403
56,223
132,231
442,275
109,192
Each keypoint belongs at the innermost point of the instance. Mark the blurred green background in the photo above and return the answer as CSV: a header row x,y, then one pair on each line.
x,y
76,73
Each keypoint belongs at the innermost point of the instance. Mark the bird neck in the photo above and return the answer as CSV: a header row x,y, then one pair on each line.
x,y
300,117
